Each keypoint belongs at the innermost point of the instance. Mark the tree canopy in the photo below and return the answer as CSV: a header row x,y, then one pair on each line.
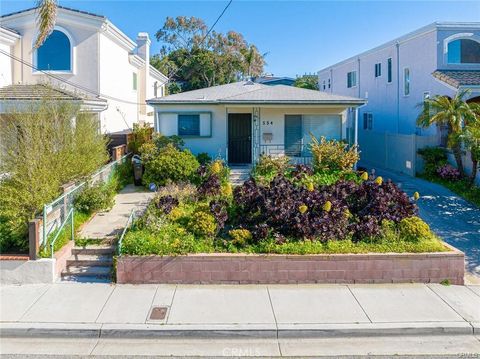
x,y
307,82
195,58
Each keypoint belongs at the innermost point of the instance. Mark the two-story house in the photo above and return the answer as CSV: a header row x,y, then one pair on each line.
x,y
86,58
438,59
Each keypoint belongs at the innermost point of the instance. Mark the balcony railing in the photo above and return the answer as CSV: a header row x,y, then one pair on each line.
x,y
298,154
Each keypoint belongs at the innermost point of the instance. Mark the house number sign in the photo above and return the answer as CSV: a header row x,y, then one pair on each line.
x,y
267,123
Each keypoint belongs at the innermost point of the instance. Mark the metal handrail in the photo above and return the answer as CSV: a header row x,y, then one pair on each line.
x,y
129,222
70,214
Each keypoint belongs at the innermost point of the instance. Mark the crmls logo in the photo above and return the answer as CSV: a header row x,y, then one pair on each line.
x,y
240,352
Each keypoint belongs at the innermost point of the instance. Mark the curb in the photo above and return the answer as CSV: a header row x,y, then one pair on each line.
x,y
138,331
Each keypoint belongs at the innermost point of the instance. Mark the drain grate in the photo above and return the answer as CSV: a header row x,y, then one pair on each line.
x,y
158,313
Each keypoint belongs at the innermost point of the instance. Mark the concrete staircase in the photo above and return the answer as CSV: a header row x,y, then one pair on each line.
x,y
92,263
239,175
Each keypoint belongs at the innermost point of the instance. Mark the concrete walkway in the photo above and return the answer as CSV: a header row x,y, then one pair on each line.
x,y
107,225
263,311
455,220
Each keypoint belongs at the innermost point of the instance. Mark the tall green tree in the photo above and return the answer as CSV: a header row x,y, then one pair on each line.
x,y
307,82
471,139
194,58
451,112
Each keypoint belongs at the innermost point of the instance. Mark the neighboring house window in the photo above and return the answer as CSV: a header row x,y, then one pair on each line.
x,y
329,83
155,89
389,69
56,53
406,81
352,79
463,51
189,125
134,81
299,128
378,70
367,121
324,86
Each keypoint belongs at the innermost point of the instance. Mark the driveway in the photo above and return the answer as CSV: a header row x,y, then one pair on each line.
x,y
450,217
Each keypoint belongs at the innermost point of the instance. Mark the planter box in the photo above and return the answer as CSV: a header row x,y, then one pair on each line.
x,y
220,268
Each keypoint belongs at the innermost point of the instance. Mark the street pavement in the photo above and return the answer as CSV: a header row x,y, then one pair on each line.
x,y
452,218
237,320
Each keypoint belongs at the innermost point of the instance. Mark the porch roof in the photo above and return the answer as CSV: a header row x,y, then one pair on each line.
x,y
247,92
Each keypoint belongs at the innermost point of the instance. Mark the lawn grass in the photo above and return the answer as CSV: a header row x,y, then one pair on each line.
x,y
79,218
460,187
144,242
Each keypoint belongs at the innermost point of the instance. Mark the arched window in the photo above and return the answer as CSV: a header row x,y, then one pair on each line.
x,y
464,51
55,54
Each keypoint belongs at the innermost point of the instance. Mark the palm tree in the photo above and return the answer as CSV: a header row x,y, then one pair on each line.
x,y
452,112
46,17
471,138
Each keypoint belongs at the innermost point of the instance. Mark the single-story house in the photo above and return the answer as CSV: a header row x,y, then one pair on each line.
x,y
241,120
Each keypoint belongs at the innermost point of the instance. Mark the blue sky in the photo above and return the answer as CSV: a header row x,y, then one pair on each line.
x,y
299,36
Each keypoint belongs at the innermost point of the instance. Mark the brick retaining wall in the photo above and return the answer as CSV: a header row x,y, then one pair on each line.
x,y
252,268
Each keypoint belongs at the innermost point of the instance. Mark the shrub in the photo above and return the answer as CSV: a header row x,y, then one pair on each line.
x,y
331,155
182,191
240,237
211,186
414,229
52,150
203,158
268,167
448,172
434,158
218,208
169,164
96,197
166,203
162,141
202,224
141,134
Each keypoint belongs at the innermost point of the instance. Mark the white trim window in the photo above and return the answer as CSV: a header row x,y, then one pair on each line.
x,y
378,69
351,79
406,81
463,51
56,53
185,124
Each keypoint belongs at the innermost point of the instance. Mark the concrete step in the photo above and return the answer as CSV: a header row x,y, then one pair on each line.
x,y
88,271
94,250
99,260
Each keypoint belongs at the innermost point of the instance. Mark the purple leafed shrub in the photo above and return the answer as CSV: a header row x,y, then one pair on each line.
x,y
329,213
218,208
166,203
211,186
300,171
448,172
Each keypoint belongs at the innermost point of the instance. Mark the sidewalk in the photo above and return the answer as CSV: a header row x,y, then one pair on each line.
x,y
241,311
107,225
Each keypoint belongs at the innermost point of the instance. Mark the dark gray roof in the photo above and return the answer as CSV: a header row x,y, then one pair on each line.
x,y
249,92
39,91
457,78
60,7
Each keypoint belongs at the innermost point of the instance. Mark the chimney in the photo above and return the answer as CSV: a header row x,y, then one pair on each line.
x,y
145,87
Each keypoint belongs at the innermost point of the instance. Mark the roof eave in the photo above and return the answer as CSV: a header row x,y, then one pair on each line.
x,y
330,102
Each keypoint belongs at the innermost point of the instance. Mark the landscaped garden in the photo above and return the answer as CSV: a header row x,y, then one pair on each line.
x,y
462,122
327,207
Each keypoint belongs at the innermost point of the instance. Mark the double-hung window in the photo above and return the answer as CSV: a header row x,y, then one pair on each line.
x,y
189,125
367,121
134,81
378,70
351,79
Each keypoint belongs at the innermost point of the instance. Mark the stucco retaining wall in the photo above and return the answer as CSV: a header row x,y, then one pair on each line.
x,y
44,270
251,268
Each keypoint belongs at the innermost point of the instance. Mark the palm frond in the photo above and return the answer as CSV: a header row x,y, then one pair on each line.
x,y
46,17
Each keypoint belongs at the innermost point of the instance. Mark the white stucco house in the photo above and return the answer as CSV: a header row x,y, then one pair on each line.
x,y
241,120
438,59
85,56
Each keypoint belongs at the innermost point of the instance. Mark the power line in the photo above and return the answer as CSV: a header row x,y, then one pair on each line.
x,y
86,89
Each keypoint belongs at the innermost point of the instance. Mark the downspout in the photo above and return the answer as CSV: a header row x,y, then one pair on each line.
x,y
358,78
397,45
355,132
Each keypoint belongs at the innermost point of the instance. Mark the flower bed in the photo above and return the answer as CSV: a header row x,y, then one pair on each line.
x,y
287,212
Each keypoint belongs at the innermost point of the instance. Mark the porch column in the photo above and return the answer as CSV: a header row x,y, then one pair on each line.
x,y
256,135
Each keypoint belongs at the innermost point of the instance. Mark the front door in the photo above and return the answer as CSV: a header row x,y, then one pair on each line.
x,y
239,138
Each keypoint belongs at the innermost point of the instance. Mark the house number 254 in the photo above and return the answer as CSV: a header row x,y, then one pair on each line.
x,y
266,123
